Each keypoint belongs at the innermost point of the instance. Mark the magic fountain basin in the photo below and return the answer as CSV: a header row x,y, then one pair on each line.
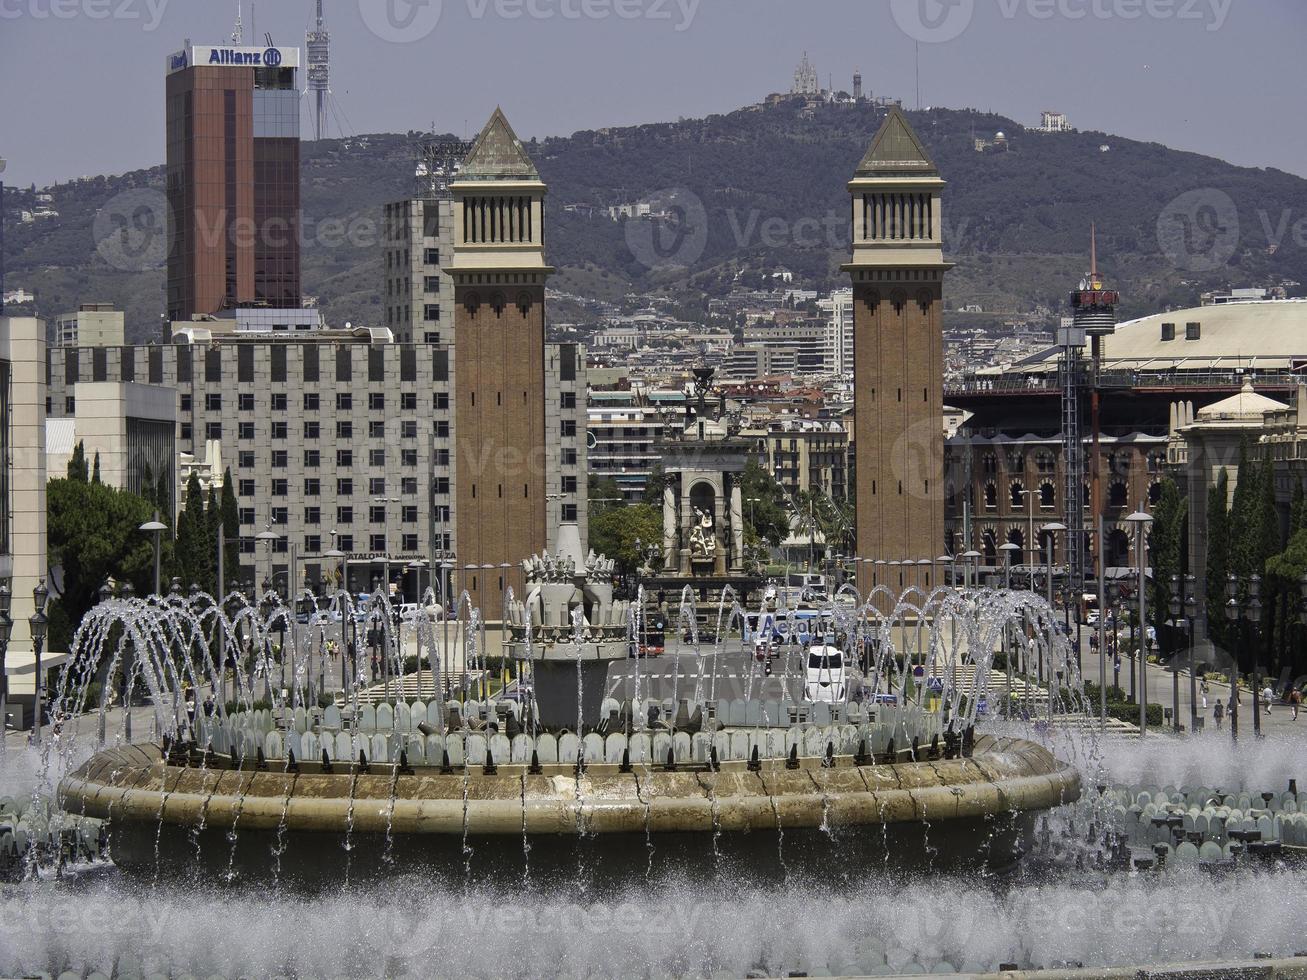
x,y
963,808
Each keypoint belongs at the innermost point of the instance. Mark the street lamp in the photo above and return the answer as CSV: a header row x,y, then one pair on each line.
x,y
6,628
268,535
1008,548
155,527
1051,530
1141,521
38,624
971,557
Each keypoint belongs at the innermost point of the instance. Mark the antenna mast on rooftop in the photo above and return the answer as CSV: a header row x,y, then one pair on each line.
x,y
318,45
238,32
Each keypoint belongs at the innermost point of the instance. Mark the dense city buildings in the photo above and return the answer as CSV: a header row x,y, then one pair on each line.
x,y
93,325
233,178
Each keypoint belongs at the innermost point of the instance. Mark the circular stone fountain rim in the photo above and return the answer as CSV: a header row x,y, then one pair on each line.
x,y
1004,775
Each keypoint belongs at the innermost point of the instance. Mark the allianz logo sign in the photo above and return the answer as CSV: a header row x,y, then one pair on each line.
x,y
269,58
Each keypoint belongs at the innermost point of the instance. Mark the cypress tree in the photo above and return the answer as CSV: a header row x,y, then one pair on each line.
x,y
231,527
95,473
77,465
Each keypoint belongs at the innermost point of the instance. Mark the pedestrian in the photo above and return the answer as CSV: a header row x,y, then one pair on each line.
x,y
1267,697
1218,712
1295,700
1204,700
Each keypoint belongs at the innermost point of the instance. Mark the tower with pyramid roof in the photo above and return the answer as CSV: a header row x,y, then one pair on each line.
x,y
898,274
499,274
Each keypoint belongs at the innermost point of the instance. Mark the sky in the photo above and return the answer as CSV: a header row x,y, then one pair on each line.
x,y
81,81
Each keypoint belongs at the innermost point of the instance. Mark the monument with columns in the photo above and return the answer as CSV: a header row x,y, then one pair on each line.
x,y
703,505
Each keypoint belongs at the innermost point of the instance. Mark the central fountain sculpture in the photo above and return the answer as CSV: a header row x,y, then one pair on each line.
x,y
881,771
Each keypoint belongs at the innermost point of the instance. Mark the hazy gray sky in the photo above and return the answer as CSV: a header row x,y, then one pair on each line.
x,y
82,80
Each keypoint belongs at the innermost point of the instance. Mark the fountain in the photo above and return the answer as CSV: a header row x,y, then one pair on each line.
x,y
933,799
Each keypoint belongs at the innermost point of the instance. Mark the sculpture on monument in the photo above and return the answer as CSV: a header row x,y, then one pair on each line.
x,y
703,539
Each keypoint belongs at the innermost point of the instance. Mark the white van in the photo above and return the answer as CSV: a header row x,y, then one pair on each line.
x,y
826,678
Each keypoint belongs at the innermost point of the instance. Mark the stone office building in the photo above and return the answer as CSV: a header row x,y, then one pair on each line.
x,y
344,439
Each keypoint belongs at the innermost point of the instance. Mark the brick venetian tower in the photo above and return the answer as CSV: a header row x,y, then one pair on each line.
x,y
898,274
499,276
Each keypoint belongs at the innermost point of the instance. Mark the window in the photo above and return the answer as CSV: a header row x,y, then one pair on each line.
x,y
312,543
279,487
431,284
409,543
312,459
312,430
344,401
376,364
277,364
569,484
431,312
185,403
244,430
408,429
442,457
440,486
376,457
377,542
408,514
344,430
568,428
280,516
344,372
247,546
569,512
1046,496
311,372
377,486
245,459
567,399
408,364
312,487
311,401
409,485
377,514
345,542
569,457
245,401
440,401
1193,331
279,430
1168,331
279,459
1018,494
408,401
431,256
408,457
213,430
279,402
376,429
376,401
312,515
344,458
344,515
246,515
344,487
442,429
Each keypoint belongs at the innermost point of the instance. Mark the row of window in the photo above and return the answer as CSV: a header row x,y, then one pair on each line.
x,y
408,401
245,488
345,542
408,514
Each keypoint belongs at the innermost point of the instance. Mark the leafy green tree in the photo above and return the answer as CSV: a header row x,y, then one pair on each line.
x,y
654,485
614,532
603,494
93,535
766,516
231,529
195,555
77,465
1166,544
1218,556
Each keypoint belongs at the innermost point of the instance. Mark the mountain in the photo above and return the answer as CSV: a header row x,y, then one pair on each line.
x,y
770,181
